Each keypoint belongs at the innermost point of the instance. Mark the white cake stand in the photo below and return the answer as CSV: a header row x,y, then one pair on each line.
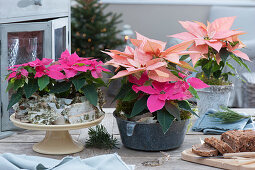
x,y
57,140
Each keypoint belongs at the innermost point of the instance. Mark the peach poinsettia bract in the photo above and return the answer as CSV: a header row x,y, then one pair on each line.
x,y
216,35
149,55
147,69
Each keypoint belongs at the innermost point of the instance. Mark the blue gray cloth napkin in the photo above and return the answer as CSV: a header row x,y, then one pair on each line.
x,y
9,161
210,125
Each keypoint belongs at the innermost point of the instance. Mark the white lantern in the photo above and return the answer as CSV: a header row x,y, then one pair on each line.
x,y
127,33
29,30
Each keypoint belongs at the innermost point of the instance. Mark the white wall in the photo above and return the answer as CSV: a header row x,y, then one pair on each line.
x,y
158,21
159,18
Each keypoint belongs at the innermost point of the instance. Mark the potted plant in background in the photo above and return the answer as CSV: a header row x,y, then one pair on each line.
x,y
152,111
56,97
217,44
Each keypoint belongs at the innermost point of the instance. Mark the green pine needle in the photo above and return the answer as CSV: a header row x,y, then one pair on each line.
x,y
100,138
94,29
227,115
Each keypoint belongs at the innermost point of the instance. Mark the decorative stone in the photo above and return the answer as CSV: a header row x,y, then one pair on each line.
x,y
60,121
51,110
139,117
81,112
147,120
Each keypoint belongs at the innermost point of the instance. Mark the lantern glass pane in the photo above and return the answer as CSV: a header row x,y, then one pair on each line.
x,y
60,41
24,47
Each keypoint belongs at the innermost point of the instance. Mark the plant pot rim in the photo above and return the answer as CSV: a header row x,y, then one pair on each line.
x,y
221,85
32,126
215,88
141,123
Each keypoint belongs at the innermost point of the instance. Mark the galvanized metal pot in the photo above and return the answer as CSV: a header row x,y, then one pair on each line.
x,y
150,137
213,97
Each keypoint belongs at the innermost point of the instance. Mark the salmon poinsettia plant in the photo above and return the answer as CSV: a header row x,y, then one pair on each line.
x,y
217,43
155,80
68,77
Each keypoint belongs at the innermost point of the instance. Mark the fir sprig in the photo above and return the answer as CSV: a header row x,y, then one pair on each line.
x,y
100,138
227,115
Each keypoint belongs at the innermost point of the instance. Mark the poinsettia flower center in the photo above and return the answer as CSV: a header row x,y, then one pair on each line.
x,y
206,38
154,57
162,92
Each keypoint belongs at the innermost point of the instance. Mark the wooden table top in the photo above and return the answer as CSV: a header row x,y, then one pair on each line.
x,y
22,142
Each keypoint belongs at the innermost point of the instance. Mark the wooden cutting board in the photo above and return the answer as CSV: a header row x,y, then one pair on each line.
x,y
237,163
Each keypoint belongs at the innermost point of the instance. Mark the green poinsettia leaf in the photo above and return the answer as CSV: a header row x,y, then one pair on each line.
x,y
15,98
231,66
131,95
184,105
78,83
80,64
224,54
240,61
43,82
217,74
193,92
173,110
201,62
30,88
60,87
124,90
207,69
10,86
30,70
165,119
90,92
18,83
139,106
99,81
215,66
184,57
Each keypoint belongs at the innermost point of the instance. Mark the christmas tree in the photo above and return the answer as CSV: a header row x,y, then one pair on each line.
x,y
94,30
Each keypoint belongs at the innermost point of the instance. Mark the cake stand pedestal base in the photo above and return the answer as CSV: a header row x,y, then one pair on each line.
x,y
57,140
58,143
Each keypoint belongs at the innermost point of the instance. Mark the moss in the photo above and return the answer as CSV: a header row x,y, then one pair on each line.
x,y
101,99
212,80
125,107
101,102
185,115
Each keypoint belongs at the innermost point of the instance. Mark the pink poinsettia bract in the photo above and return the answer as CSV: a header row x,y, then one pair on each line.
x,y
68,66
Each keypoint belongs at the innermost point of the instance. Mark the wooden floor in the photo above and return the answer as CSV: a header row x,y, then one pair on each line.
x,y
22,142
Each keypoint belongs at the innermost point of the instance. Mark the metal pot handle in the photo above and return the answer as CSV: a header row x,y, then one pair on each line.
x,y
38,2
130,128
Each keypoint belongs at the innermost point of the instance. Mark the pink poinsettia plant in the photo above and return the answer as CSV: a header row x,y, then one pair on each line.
x,y
154,80
68,77
217,43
